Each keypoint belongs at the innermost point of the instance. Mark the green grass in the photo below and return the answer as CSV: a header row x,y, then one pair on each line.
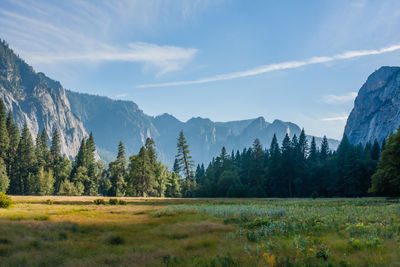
x,y
200,232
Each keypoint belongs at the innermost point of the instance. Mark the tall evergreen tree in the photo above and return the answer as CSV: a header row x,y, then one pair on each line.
x,y
4,180
25,163
4,138
324,151
183,157
313,151
141,175
386,180
117,173
55,149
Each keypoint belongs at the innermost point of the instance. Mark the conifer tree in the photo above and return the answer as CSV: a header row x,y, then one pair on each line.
x,y
256,171
4,138
313,151
185,161
25,163
141,175
386,180
55,150
92,183
186,165
375,150
286,167
172,186
117,174
303,144
324,151
14,137
160,179
4,180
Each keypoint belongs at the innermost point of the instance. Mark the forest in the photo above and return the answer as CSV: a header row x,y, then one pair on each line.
x,y
292,169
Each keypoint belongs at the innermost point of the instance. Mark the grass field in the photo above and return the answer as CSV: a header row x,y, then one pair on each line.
x,y
72,231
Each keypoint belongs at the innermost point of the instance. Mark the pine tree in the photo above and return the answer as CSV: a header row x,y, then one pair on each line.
x,y
386,180
150,147
287,165
4,137
324,152
45,148
4,180
313,151
14,137
185,161
176,168
303,144
375,150
160,179
62,172
172,187
92,184
25,163
141,175
117,174
55,149
256,171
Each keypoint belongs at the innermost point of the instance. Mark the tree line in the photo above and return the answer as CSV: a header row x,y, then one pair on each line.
x,y
29,167
292,169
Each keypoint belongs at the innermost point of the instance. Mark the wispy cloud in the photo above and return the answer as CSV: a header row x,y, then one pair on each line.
x,y
278,66
338,99
44,32
340,118
165,58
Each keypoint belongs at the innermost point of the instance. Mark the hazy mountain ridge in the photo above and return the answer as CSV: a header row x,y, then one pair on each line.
x,y
376,112
44,104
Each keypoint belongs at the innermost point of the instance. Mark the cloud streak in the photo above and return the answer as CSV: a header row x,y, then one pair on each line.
x,y
165,58
277,66
340,118
339,99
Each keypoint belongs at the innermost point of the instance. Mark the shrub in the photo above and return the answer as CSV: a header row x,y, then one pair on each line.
x,y
322,252
5,201
99,201
122,202
49,202
116,240
113,201
314,195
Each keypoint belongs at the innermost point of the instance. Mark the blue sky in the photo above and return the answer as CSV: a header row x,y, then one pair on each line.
x,y
299,61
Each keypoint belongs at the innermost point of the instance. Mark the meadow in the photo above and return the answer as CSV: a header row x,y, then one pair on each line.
x,y
74,231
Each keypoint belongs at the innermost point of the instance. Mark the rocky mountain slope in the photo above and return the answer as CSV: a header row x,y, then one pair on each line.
x,y
376,112
44,104
38,101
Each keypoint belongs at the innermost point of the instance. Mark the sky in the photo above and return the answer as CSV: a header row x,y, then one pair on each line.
x,y
298,61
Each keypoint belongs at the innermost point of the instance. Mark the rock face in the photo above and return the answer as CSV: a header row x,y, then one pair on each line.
x,y
376,112
38,101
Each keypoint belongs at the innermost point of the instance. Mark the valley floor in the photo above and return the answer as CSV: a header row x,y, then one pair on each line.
x,y
73,231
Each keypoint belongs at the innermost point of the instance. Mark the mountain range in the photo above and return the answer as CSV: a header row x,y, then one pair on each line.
x,y
43,103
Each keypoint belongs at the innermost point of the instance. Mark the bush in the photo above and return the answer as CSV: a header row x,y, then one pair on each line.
x,y
49,202
116,240
314,195
113,201
5,201
99,201
122,202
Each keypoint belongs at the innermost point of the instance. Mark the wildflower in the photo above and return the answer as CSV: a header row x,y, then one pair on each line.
x,y
270,259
